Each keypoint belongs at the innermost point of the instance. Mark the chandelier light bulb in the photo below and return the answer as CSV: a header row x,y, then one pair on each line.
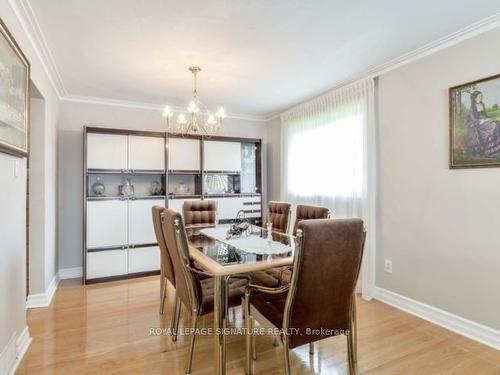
x,y
167,112
181,119
221,113
211,120
192,108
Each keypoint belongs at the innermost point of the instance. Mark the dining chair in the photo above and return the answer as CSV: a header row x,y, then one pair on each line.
x,y
319,302
199,214
195,288
278,276
166,267
278,213
309,212
303,212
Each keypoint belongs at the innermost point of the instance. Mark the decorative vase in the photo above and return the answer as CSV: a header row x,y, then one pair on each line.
x,y
155,188
98,187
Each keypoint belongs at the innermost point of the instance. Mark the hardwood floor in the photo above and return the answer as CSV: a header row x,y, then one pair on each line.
x,y
105,328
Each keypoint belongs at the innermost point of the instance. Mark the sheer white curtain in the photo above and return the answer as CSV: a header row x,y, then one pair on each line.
x,y
329,159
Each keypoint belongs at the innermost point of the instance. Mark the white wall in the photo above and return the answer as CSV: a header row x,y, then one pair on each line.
x,y
13,201
73,117
13,253
439,226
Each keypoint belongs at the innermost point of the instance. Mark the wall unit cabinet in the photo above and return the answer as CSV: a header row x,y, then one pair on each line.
x,y
146,153
140,228
222,156
184,154
165,170
107,151
107,223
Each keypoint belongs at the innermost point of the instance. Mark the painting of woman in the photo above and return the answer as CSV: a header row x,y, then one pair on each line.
x,y
475,124
484,132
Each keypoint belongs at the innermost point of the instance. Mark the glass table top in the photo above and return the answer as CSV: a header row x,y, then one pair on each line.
x,y
254,245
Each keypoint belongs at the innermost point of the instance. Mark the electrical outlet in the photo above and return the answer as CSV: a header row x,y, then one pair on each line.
x,y
388,266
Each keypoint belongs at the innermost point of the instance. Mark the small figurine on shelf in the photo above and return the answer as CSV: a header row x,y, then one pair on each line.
x,y
126,189
155,188
98,187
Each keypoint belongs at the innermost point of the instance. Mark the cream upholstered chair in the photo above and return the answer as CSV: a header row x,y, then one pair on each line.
x,y
329,253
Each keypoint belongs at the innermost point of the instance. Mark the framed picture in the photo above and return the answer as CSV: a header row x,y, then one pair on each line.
x,y
475,124
14,96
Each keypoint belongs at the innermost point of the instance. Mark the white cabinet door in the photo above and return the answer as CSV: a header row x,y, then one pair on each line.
x,y
146,153
184,154
106,223
106,263
228,208
143,259
140,221
106,151
176,204
222,156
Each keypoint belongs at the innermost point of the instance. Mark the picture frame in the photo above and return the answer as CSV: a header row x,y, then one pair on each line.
x,y
474,110
14,96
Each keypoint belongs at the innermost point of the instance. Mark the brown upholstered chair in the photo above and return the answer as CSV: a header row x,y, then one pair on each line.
x,y
306,212
278,276
320,297
194,290
199,214
166,268
278,213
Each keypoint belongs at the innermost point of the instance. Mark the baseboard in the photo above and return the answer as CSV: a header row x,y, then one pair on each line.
x,y
13,353
475,331
43,299
70,273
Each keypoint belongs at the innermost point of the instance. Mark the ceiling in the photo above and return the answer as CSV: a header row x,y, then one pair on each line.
x,y
258,57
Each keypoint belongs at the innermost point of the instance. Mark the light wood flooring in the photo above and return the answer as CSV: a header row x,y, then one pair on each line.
x,y
105,329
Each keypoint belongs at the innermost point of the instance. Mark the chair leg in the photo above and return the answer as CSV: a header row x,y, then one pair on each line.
x,y
163,295
191,344
354,331
249,334
350,357
176,317
286,355
311,348
254,338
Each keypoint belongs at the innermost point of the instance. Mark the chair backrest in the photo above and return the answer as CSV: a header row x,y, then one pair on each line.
x,y
166,262
187,285
305,212
199,213
278,213
326,269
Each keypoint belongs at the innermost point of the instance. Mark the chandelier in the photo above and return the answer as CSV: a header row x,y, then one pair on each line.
x,y
198,118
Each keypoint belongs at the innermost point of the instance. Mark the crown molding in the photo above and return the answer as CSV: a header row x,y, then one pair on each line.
x,y
470,31
29,23
146,106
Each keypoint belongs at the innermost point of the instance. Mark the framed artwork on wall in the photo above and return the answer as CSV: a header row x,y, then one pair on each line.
x,y
475,124
14,96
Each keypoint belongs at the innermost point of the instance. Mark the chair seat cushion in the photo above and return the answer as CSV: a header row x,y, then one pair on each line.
x,y
270,306
269,278
236,292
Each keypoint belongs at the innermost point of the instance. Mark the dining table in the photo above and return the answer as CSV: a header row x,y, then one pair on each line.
x,y
223,256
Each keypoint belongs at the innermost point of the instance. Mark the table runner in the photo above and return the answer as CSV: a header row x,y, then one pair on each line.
x,y
249,244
